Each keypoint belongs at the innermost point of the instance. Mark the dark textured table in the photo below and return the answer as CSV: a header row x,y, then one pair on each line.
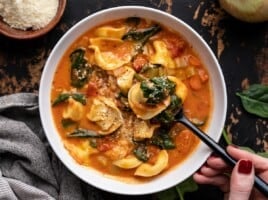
x,y
241,48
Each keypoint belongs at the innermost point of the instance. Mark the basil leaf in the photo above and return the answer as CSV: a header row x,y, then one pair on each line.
x,y
169,194
189,185
255,100
178,191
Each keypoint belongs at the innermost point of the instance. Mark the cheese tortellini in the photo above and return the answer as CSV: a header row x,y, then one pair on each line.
x,y
162,55
143,129
181,89
110,32
128,162
81,152
74,110
148,170
106,115
125,80
137,103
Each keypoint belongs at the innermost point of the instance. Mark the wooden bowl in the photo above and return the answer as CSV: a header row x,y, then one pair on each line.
x,y
8,31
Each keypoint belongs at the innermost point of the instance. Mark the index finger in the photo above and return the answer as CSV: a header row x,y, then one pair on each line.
x,y
260,163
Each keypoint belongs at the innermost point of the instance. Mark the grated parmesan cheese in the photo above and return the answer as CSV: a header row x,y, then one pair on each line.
x,y
28,14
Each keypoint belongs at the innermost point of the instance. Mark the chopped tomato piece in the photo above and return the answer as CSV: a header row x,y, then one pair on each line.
x,y
194,61
92,90
203,75
139,61
175,45
195,82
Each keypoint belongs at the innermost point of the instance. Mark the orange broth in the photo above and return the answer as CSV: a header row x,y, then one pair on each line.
x,y
197,105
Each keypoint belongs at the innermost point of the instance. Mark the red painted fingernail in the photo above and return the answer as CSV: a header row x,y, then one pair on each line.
x,y
244,166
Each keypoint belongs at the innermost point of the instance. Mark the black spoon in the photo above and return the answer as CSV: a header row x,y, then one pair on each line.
x,y
259,183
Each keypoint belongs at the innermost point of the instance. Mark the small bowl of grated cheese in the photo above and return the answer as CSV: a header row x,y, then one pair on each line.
x,y
27,19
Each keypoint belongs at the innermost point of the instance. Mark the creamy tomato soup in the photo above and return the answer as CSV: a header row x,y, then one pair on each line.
x,y
116,91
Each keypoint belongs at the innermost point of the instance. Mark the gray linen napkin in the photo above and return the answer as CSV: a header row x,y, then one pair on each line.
x,y
28,167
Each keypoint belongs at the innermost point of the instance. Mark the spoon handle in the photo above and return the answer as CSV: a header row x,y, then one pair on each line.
x,y
258,182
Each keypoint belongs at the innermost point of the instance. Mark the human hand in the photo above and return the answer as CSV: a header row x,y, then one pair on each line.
x,y
239,185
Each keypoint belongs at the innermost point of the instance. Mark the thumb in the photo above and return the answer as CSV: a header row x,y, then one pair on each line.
x,y
242,180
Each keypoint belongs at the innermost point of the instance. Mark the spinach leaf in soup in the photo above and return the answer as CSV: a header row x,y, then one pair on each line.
x,y
63,97
255,99
163,140
141,36
157,89
80,68
133,21
84,133
168,115
141,152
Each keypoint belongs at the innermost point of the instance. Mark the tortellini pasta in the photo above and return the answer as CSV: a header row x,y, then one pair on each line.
x,y
111,32
109,60
137,103
162,55
74,110
128,163
81,152
148,170
181,89
106,115
125,80
142,130
120,150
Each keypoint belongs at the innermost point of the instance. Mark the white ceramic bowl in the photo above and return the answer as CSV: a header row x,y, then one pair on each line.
x,y
191,164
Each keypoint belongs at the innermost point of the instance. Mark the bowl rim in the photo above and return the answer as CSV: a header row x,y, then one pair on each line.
x,y
103,182
7,30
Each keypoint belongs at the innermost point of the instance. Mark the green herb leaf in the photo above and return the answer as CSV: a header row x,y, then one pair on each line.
x,y
141,153
80,69
189,185
141,36
225,137
133,21
169,194
151,70
178,191
168,115
67,122
255,100
84,133
163,140
157,89
65,96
